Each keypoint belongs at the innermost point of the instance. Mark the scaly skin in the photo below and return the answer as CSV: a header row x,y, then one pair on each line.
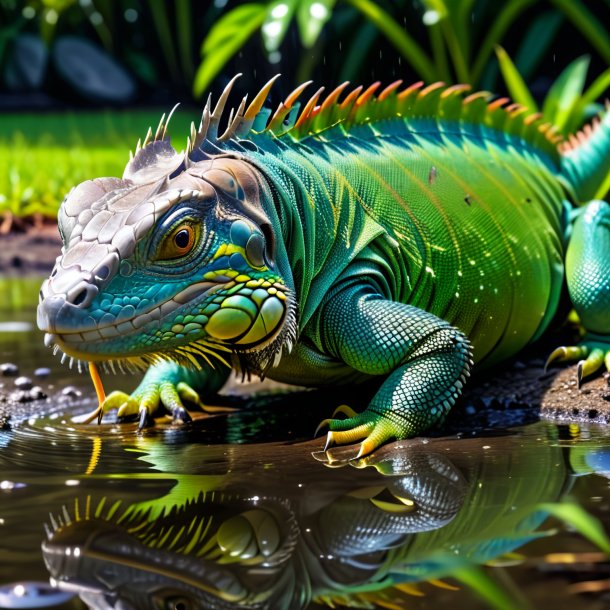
x,y
375,238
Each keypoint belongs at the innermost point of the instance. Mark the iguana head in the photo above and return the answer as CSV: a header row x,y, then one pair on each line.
x,y
174,260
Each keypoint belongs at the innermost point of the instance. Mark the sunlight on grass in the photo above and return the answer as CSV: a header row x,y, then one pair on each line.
x,y
44,156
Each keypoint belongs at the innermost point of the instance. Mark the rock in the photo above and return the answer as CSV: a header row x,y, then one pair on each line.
x,y
42,372
71,392
26,64
8,369
91,72
37,393
23,383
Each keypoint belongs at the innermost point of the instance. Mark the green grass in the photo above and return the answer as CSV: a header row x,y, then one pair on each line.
x,y
42,156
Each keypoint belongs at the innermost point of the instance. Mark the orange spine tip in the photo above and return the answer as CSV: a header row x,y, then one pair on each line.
x,y
479,95
389,90
498,103
309,108
430,88
532,118
257,103
368,93
333,96
455,89
351,98
294,96
410,89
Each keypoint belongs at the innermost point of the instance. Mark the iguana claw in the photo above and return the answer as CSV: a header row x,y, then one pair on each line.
x,y
590,354
145,401
372,428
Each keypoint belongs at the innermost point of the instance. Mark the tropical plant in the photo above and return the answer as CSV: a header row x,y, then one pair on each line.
x,y
439,39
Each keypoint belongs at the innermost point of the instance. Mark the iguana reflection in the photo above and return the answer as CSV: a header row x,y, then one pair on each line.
x,y
282,537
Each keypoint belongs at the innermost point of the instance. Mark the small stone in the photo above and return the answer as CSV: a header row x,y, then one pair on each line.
x,y
519,366
21,396
37,393
71,392
42,372
23,383
8,369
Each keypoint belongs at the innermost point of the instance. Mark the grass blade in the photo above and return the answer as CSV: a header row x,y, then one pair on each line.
x,y
515,84
576,516
565,93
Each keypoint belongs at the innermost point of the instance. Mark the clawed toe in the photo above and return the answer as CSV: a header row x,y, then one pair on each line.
x,y
372,430
591,357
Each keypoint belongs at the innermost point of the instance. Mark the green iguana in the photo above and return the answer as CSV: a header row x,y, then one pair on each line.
x,y
403,235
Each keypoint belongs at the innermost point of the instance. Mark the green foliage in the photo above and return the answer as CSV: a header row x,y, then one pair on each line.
x,y
458,50
48,154
575,516
568,104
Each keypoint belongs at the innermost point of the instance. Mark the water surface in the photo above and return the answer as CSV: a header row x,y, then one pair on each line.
x,y
241,511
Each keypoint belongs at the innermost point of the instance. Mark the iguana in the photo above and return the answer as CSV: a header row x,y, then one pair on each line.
x,y
402,235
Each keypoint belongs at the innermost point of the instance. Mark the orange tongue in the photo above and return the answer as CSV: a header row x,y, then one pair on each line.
x,y
97,384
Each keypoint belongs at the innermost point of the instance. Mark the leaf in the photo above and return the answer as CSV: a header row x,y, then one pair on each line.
x,y
279,16
535,44
565,92
515,84
312,16
225,39
577,517
599,87
497,595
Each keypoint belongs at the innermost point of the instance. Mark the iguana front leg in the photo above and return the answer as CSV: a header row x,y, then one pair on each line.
x,y
167,385
426,358
588,278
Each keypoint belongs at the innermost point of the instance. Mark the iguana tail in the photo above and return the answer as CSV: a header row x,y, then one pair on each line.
x,y
585,159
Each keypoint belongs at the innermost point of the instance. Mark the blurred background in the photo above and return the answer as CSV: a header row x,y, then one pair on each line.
x,y
81,80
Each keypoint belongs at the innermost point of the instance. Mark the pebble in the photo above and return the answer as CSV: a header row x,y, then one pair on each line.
x,y
37,393
8,369
42,372
23,383
71,391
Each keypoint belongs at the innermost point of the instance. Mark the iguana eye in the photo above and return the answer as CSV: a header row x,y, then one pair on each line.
x,y
179,242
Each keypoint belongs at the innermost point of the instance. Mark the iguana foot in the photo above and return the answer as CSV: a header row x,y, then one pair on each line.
x,y
591,355
145,401
375,429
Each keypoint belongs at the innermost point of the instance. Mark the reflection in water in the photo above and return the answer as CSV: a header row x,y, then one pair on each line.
x,y
178,519
234,531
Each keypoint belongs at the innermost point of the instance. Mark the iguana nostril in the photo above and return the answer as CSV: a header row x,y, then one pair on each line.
x,y
80,297
103,272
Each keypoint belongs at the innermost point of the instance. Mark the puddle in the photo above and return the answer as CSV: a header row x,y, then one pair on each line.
x,y
237,511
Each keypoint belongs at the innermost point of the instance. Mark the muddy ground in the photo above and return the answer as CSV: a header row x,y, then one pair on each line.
x,y
519,391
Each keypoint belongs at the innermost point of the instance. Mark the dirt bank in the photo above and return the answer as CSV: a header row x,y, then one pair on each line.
x,y
32,251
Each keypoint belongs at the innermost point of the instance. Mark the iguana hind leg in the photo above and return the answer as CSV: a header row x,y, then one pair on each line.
x,y
426,359
588,277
